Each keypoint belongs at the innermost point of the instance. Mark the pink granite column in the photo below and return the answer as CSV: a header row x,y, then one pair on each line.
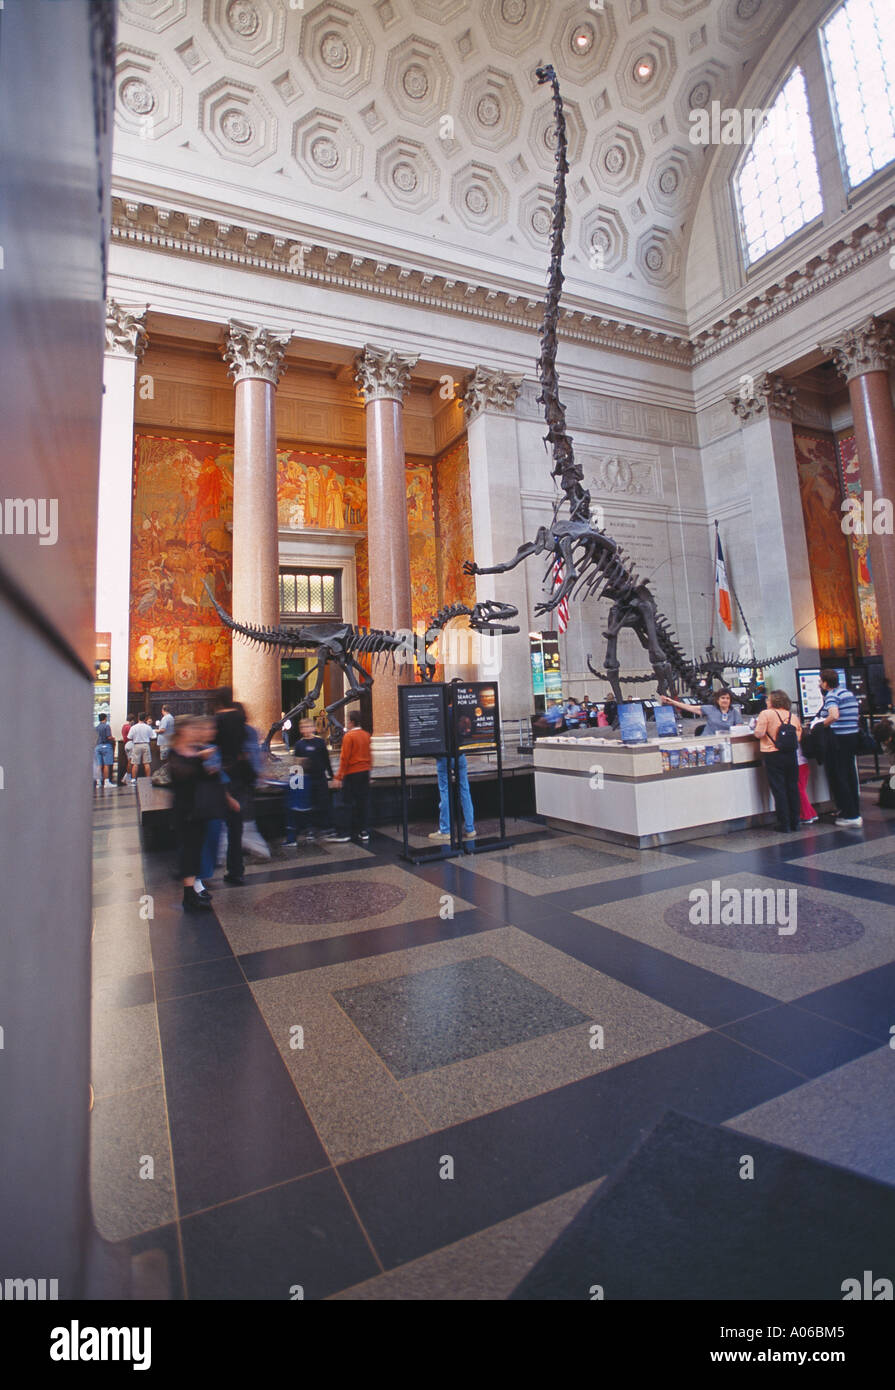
x,y
862,357
383,377
255,357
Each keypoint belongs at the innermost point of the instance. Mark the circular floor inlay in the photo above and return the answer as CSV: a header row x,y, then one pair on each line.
x,y
818,927
329,902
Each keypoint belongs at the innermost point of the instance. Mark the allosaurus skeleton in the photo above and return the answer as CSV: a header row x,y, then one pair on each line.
x,y
591,563
343,643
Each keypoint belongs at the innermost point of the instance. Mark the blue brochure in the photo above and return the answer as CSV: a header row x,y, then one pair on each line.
x,y
632,722
666,723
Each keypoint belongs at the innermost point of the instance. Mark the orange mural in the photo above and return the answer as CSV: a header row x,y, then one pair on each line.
x,y
455,525
321,491
831,581
423,549
183,499
860,549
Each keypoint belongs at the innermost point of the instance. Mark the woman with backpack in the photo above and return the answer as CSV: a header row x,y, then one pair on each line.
x,y
779,732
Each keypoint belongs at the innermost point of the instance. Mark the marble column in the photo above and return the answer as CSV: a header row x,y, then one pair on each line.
x,y
125,345
784,572
863,356
489,400
255,361
383,377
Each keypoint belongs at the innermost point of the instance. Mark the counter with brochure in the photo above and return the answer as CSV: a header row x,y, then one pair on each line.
x,y
659,790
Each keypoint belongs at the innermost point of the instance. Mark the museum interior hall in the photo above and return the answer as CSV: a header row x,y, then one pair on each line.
x,y
465,440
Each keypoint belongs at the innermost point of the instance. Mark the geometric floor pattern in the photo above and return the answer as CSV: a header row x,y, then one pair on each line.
x,y
366,1079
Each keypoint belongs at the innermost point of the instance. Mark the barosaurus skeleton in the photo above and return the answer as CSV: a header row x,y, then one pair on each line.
x,y
591,563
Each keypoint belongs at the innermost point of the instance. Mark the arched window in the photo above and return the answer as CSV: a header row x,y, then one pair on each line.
x,y
859,45
778,185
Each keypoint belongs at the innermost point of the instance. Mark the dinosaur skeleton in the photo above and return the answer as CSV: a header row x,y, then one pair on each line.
x,y
701,675
591,563
343,643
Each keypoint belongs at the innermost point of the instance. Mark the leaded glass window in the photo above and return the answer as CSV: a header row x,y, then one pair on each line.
x,y
310,594
859,45
778,186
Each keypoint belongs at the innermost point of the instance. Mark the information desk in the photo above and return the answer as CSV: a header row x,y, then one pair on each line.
x,y
657,792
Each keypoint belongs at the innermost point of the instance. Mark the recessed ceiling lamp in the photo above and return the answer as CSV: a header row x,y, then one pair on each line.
x,y
583,39
644,69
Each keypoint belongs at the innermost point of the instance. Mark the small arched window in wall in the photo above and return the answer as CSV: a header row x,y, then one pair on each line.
x,y
778,183
859,47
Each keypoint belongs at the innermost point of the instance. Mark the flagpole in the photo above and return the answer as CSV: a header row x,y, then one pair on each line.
x,y
711,646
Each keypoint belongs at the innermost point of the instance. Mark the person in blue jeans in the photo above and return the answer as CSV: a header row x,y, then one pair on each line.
x,y
443,833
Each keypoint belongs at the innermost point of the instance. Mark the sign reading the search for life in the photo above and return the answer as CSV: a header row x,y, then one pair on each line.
x,y
476,716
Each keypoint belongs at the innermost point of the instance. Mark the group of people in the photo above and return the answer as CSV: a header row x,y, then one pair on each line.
x,y
214,765
308,801
137,734
576,714
786,748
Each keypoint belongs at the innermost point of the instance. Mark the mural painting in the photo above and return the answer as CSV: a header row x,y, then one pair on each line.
x,y
831,581
321,491
182,502
860,550
455,524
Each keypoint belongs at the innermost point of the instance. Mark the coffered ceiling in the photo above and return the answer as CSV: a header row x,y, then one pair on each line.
x,y
417,127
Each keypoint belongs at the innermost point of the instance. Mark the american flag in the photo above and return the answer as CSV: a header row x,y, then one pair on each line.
x,y
562,612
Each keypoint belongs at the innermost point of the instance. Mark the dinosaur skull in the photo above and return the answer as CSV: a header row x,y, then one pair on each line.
x,y
491,616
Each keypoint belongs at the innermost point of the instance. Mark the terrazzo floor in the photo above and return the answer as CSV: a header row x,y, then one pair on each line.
x,y
381,1080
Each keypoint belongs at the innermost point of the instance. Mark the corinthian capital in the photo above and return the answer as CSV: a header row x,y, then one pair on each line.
x,y
868,348
125,330
250,351
760,395
487,390
382,374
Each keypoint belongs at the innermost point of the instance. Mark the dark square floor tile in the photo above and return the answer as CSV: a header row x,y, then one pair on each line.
x,y
800,1040
267,1245
237,1123
430,1019
863,1002
524,1154
561,861
677,1223
195,979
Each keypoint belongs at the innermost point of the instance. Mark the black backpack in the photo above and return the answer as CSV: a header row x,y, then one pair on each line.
x,y
786,739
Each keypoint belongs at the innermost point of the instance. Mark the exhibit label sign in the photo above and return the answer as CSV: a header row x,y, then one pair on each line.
x,y
423,720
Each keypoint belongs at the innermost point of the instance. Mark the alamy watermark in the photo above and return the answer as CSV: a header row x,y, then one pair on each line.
x,y
867,516
30,516
736,907
730,125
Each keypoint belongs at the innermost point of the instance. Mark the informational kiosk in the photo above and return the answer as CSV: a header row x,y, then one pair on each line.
x,y
445,721
657,792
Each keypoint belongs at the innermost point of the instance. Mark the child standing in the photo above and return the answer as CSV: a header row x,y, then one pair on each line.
x,y
298,803
312,749
355,762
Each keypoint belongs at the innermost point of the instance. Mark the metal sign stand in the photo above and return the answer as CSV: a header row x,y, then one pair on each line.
x,y
435,852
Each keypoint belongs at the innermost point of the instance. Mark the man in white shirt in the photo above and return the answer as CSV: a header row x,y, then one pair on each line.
x,y
165,731
141,736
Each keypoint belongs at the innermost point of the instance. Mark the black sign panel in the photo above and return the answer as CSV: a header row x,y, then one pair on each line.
x,y
423,721
476,716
